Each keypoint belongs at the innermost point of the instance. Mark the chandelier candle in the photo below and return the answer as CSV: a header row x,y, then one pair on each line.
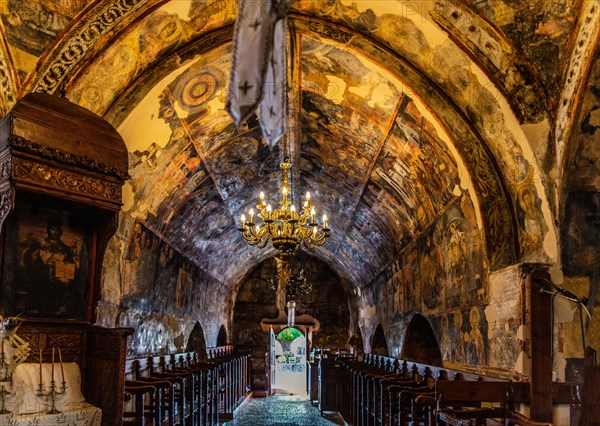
x,y
285,227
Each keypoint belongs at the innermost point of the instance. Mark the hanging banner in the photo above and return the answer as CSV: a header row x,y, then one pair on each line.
x,y
273,106
258,70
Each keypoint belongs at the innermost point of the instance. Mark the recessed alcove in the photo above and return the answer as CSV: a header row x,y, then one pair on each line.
x,y
420,344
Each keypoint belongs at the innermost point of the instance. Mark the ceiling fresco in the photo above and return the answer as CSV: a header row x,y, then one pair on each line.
x,y
404,111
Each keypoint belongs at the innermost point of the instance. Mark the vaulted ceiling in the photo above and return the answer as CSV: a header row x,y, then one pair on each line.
x,y
399,111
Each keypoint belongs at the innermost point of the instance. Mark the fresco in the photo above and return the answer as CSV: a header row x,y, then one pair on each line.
x,y
162,292
30,26
443,269
142,44
463,336
376,84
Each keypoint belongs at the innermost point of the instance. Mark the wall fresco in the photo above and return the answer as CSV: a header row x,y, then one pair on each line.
x,y
162,296
408,234
30,26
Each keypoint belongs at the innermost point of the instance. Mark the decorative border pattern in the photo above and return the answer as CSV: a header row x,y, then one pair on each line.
x,y
6,196
55,177
66,157
8,81
77,42
5,204
579,64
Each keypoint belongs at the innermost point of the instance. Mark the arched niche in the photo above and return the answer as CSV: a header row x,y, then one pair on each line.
x,y
197,342
379,343
222,336
420,344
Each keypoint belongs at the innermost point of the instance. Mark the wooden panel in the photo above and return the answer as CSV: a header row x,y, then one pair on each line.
x,y
541,349
99,352
104,373
468,391
66,132
331,377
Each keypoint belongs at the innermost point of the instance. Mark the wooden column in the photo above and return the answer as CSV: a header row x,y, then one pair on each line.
x,y
540,323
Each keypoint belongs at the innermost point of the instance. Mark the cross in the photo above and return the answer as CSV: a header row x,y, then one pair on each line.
x,y
246,87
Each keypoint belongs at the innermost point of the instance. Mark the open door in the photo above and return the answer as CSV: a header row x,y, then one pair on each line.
x,y
290,361
272,357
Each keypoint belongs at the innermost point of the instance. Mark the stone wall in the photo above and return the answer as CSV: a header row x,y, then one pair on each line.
x,y
150,286
328,303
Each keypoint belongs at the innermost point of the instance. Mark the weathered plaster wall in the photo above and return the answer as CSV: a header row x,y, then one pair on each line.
x,y
328,303
580,231
151,287
476,316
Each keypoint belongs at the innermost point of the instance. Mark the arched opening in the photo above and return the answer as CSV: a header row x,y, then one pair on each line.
x,y
197,342
290,361
379,342
222,337
420,344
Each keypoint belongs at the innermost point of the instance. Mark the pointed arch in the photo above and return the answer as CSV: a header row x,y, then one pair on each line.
x,y
420,344
222,336
379,342
197,342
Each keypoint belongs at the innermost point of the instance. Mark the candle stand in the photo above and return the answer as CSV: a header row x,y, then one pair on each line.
x,y
52,393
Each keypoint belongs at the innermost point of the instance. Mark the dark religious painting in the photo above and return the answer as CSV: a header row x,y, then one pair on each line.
x,y
46,262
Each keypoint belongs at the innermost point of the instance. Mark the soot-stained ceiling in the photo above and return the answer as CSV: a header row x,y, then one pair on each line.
x,y
399,112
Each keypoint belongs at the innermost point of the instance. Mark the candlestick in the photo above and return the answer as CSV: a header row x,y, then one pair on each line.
x,y
52,374
62,371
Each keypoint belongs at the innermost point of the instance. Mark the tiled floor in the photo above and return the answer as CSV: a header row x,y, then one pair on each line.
x,y
282,410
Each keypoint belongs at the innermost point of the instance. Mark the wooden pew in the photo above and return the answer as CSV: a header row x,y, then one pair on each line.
x,y
188,392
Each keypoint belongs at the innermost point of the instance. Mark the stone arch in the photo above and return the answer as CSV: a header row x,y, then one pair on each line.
x,y
420,344
222,336
197,342
379,344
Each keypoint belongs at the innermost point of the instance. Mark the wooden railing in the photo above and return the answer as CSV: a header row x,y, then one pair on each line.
x,y
178,389
380,391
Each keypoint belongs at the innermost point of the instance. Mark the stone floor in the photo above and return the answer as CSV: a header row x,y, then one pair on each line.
x,y
282,410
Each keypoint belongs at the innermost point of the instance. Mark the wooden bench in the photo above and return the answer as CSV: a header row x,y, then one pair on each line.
x,y
385,391
186,391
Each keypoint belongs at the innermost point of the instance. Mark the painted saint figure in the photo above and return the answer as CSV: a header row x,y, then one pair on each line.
x,y
51,266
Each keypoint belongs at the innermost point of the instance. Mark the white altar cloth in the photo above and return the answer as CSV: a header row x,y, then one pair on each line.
x,y
86,416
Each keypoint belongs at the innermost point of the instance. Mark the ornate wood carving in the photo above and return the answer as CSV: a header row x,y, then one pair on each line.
x,y
6,192
64,180
66,157
99,352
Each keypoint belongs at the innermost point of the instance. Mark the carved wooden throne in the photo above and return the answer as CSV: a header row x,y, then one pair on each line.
x,y
61,173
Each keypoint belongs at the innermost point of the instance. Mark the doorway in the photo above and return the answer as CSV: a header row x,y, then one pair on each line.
x,y
290,361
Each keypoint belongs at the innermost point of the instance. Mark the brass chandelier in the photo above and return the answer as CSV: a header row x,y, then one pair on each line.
x,y
286,227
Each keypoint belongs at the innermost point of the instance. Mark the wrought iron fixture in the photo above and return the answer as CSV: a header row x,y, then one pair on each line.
x,y
294,284
285,226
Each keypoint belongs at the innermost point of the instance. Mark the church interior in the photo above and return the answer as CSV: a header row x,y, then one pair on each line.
x,y
453,146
